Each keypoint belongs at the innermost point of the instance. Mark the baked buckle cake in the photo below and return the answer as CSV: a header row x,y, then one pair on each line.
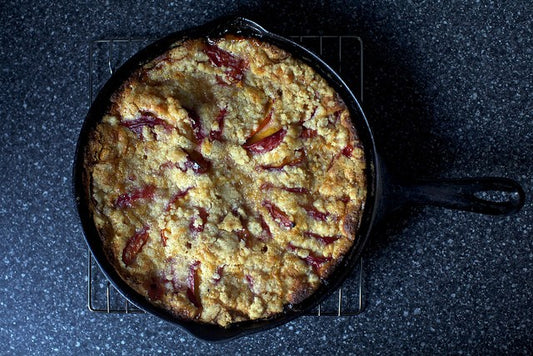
x,y
226,180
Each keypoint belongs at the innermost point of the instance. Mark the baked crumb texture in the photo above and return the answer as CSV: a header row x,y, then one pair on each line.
x,y
226,180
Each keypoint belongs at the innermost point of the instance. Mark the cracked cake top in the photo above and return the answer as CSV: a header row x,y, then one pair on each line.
x,y
226,180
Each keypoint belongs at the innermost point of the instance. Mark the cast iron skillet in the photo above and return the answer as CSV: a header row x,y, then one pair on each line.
x,y
384,194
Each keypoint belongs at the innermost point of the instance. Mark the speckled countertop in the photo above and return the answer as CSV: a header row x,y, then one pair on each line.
x,y
448,91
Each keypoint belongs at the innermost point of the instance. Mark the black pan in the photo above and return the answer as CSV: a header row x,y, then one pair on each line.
x,y
384,193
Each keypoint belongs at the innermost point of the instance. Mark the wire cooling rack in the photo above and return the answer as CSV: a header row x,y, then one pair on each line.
x,y
342,53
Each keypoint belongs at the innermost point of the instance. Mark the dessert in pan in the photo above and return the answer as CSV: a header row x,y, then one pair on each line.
x,y
226,180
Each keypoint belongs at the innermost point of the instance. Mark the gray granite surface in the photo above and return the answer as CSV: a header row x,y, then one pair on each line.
x,y
448,91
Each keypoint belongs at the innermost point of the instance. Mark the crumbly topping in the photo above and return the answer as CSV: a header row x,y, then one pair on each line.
x,y
226,180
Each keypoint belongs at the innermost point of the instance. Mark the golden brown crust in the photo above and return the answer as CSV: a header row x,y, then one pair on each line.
x,y
226,180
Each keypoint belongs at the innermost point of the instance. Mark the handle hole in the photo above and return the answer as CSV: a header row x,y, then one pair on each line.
x,y
497,196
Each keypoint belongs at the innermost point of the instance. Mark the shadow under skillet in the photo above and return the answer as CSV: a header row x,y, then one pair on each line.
x,y
402,125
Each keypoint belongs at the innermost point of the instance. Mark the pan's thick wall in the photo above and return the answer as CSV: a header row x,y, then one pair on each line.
x,y
241,27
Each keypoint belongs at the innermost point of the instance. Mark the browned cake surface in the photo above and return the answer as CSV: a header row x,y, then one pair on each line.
x,y
226,180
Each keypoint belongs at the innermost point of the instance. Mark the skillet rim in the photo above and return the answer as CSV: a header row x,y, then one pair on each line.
x,y
239,26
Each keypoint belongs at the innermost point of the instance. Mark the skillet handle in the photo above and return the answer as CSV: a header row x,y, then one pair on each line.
x,y
468,194
241,24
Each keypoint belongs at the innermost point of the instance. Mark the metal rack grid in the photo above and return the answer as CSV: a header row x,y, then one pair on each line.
x,y
343,53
